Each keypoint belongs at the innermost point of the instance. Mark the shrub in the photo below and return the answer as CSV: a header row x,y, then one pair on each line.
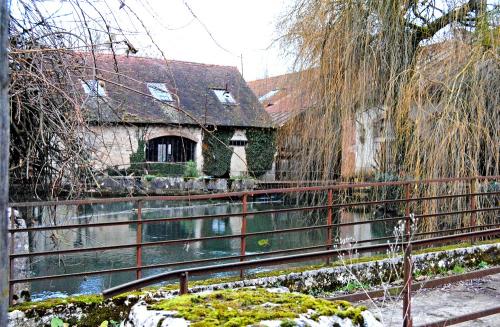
x,y
190,170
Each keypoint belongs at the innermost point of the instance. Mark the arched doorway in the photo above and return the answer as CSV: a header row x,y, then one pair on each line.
x,y
170,149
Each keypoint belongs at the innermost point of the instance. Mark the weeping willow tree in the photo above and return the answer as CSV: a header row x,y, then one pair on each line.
x,y
431,68
426,73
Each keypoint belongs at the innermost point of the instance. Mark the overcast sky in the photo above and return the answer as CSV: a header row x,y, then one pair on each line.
x,y
238,27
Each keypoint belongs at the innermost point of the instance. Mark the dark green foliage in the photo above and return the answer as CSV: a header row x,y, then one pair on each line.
x,y
140,154
158,169
190,170
217,153
260,150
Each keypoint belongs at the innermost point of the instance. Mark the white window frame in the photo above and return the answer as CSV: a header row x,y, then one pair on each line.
x,y
160,92
269,95
162,152
224,96
94,87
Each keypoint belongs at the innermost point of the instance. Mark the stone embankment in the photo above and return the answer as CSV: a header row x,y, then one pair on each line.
x,y
153,185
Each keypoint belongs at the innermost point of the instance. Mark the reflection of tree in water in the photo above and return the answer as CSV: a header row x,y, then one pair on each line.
x,y
169,231
284,220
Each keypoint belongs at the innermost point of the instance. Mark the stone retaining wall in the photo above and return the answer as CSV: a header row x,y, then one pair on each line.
x,y
172,185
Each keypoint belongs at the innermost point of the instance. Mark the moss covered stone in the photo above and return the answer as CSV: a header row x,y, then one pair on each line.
x,y
250,306
42,306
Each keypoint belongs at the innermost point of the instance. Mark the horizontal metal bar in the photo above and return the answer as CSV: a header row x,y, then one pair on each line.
x,y
340,186
280,260
447,213
158,243
200,239
161,265
226,258
432,283
159,220
70,275
214,216
463,318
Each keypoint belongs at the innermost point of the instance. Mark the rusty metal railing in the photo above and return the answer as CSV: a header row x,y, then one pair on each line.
x,y
245,261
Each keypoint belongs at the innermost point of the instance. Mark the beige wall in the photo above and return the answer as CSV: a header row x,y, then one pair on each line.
x,y
113,145
239,156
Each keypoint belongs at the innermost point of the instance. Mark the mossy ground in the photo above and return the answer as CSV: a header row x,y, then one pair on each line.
x,y
249,306
51,303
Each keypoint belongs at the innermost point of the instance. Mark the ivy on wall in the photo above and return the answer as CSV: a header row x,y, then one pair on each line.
x,y
217,155
140,154
260,150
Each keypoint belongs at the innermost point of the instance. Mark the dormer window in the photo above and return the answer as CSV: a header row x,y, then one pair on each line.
x,y
160,92
224,96
268,95
94,88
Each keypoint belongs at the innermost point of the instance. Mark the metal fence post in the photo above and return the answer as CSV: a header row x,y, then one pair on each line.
x,y
244,211
407,319
183,283
473,206
329,221
138,240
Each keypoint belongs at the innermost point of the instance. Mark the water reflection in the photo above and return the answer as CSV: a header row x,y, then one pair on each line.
x,y
175,230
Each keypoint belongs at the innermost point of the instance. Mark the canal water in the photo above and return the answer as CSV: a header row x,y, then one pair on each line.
x,y
126,234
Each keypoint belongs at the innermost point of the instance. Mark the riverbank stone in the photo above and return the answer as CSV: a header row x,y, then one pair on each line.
x,y
249,307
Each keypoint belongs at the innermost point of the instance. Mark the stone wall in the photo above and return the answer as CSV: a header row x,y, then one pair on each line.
x,y
171,185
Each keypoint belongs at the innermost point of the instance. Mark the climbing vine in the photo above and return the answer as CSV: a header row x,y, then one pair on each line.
x,y
140,154
217,154
260,150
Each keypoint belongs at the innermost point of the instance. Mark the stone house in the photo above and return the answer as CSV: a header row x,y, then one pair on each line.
x,y
286,98
164,111
285,101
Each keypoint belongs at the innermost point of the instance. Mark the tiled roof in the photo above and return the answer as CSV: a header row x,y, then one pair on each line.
x,y
129,100
290,99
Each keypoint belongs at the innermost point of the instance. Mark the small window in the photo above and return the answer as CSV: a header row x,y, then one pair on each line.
x,y
224,96
160,91
238,143
94,88
268,95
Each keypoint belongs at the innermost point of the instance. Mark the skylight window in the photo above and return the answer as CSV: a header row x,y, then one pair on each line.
x,y
224,96
160,91
94,88
268,95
